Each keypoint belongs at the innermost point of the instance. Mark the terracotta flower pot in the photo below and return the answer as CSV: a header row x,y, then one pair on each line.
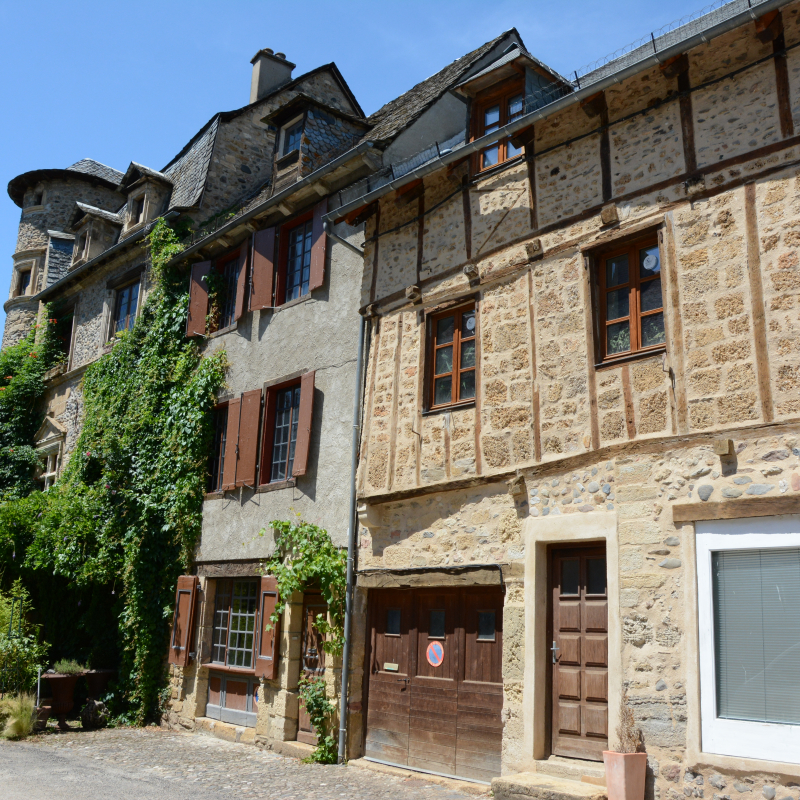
x,y
42,715
625,775
97,680
63,687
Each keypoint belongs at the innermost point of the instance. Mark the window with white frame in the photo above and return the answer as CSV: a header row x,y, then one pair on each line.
x,y
748,591
291,135
48,466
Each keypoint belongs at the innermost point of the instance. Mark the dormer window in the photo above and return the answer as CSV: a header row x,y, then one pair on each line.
x,y
494,110
82,246
24,282
291,135
137,210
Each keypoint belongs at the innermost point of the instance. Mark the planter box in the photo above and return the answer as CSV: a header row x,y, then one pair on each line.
x,y
625,775
63,688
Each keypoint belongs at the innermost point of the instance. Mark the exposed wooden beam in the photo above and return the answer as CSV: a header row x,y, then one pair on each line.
x,y
594,105
409,193
675,66
769,27
733,509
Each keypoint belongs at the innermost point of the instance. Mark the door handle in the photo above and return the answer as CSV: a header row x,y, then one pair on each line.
x,y
555,648
404,680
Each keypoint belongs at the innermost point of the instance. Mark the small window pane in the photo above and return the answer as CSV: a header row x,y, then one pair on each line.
x,y
617,270
467,385
617,303
444,360
445,328
24,281
468,354
393,621
490,156
651,295
491,117
596,576
486,626
436,624
443,390
467,324
511,150
514,107
653,330
649,262
570,576
619,337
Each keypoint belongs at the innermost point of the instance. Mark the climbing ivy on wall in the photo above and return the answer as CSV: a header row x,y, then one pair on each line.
x,y
127,510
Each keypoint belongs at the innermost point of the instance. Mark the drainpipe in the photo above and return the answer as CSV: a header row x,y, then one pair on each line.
x,y
351,534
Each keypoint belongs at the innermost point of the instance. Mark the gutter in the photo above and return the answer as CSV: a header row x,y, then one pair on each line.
x,y
275,200
351,541
560,104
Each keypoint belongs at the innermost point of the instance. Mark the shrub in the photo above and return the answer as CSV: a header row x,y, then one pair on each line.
x,y
68,666
18,713
21,651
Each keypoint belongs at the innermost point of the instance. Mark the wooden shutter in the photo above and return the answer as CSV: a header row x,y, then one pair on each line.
x,y
248,438
304,424
183,620
263,269
268,645
231,445
267,434
241,283
318,246
198,300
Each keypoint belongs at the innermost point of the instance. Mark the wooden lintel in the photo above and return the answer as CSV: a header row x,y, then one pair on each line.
x,y
409,193
769,27
594,105
359,215
733,509
524,137
675,66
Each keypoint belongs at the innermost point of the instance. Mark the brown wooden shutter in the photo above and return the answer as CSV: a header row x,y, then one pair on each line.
x,y
268,645
183,620
304,424
198,300
318,246
241,283
248,438
263,269
231,445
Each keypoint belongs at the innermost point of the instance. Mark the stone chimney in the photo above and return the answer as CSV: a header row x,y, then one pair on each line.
x,y
270,70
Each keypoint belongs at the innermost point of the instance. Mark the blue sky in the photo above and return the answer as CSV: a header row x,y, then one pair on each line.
x,y
120,81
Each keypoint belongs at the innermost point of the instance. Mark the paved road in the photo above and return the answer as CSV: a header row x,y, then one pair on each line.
x,y
153,764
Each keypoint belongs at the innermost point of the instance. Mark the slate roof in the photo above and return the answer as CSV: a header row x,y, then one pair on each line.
x,y
514,52
188,171
116,219
390,120
136,171
91,167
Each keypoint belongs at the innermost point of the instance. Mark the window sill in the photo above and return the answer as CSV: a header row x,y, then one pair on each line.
x,y
32,209
296,302
614,362
274,487
287,160
223,331
489,171
214,496
243,671
455,407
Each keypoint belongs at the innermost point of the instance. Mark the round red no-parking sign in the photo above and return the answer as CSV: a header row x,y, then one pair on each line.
x,y
435,654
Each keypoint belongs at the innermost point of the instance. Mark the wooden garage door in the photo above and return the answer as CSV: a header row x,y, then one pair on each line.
x,y
579,662
435,690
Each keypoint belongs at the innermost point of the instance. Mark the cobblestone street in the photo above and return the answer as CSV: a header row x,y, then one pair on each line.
x,y
154,763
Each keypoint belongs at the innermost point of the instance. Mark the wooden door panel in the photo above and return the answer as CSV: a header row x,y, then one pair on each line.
x,y
595,685
595,651
570,649
578,628
443,716
569,683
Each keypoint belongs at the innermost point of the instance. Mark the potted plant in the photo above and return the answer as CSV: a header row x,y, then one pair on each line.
x,y
626,767
97,681
62,684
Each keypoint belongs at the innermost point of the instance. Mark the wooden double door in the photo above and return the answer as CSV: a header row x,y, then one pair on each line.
x,y
578,649
435,691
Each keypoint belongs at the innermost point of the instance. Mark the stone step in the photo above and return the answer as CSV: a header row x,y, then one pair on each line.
x,y
526,785
573,769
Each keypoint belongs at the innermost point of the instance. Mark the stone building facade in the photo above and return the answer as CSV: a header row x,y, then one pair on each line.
x,y
580,437
571,452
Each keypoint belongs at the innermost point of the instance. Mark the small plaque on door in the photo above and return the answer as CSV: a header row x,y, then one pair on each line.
x,y
387,667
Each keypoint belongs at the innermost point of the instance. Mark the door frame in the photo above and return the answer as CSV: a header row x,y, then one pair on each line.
x,y
579,547
540,534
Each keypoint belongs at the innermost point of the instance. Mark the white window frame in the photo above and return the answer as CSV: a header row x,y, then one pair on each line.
x,y
284,130
47,455
728,737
